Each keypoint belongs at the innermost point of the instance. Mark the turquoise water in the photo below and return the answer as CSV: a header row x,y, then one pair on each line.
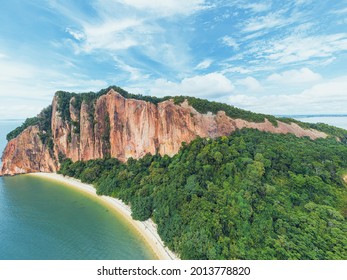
x,y
43,219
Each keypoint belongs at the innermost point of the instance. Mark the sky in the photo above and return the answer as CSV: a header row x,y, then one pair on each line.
x,y
274,57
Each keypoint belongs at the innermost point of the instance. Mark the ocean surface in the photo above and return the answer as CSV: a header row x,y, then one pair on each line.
x,y
43,219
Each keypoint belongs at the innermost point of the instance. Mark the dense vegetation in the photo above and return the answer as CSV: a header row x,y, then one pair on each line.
x,y
252,195
43,120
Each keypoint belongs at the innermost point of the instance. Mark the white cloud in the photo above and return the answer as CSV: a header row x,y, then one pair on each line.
x,y
76,34
166,7
251,84
212,85
340,11
230,42
258,7
303,75
296,48
304,27
326,97
135,73
302,2
236,69
206,63
231,68
271,20
110,35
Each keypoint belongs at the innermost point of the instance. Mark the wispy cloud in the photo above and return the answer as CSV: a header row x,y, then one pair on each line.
x,y
206,63
230,42
340,11
142,30
110,35
325,97
302,2
252,49
257,7
271,20
236,69
135,74
166,7
76,34
297,48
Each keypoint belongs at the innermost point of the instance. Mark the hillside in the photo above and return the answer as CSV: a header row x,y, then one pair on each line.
x,y
120,125
251,195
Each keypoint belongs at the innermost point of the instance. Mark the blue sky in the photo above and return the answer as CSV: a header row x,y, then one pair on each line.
x,y
277,57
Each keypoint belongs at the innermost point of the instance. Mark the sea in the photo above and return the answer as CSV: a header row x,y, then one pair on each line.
x,y
42,219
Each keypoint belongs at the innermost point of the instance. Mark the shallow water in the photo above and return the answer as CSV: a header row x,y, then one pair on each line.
x,y
44,219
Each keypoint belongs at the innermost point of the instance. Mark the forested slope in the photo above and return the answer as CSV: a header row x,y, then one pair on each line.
x,y
251,195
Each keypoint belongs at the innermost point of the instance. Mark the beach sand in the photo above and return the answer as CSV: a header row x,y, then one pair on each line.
x,y
147,229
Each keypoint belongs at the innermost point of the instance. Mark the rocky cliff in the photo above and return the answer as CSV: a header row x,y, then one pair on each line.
x,y
122,128
26,154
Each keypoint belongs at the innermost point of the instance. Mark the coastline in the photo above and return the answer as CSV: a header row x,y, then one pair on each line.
x,y
147,229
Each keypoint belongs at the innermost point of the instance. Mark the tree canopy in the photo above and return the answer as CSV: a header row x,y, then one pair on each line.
x,y
252,195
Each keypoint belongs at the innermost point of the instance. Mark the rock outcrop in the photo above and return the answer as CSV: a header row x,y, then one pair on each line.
x,y
26,154
123,128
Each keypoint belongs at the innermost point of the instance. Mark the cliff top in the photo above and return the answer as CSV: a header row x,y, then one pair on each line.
x,y
202,106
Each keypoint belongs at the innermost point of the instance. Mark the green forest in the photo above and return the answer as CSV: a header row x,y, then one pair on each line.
x,y
251,195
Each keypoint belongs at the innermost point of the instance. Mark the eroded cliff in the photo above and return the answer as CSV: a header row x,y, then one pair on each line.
x,y
122,128
27,153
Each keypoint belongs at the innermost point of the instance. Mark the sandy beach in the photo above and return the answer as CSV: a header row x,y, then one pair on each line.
x,y
147,229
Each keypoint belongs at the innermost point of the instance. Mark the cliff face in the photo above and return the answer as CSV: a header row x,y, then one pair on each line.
x,y
26,154
123,128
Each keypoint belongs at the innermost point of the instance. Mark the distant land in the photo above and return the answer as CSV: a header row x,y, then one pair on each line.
x,y
278,116
312,116
11,120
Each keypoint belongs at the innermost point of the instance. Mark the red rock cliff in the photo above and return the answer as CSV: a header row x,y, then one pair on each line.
x,y
26,154
124,128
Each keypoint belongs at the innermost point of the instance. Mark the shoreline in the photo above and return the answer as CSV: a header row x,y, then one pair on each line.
x,y
146,229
